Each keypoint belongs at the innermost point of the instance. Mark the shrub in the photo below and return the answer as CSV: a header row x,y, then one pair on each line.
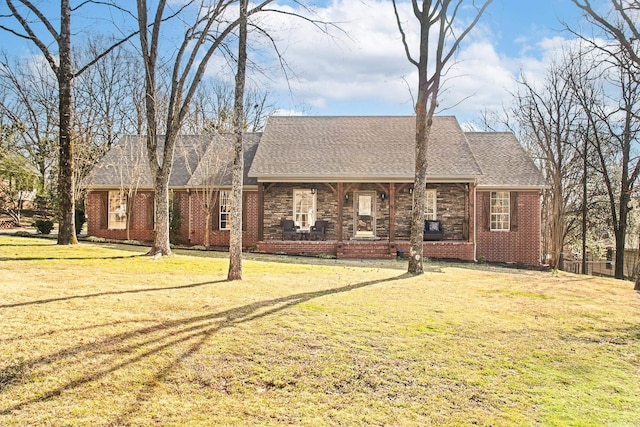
x,y
44,226
80,220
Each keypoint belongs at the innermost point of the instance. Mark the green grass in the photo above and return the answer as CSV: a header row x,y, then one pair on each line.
x,y
99,335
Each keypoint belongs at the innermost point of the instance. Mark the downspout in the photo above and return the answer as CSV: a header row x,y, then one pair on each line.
x,y
189,228
475,217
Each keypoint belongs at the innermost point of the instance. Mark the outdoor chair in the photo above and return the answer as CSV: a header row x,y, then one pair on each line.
x,y
319,230
432,230
289,229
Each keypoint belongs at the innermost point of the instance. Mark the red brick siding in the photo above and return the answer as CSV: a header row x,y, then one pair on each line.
x,y
521,246
139,227
297,247
443,250
193,233
138,224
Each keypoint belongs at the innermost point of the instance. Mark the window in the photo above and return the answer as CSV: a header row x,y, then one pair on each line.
x,y
430,205
117,210
304,208
225,210
500,212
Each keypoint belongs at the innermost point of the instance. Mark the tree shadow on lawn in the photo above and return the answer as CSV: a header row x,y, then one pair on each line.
x,y
100,294
125,347
67,258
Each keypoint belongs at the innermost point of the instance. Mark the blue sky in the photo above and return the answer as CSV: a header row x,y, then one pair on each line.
x,y
366,72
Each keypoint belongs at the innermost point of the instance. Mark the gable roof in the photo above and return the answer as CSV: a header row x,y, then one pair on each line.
x,y
196,158
361,148
504,162
317,149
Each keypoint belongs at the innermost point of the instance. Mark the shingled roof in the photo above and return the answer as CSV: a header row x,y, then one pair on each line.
x,y
504,162
196,158
323,149
372,148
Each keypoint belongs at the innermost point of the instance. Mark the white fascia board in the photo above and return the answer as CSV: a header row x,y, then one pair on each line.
x,y
352,179
511,188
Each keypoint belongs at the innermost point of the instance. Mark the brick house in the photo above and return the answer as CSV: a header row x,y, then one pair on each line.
x,y
355,173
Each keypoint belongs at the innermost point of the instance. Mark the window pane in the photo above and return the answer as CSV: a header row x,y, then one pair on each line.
x,y
117,210
225,210
500,205
430,205
304,208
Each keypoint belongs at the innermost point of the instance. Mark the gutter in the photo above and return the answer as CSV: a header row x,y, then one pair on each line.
x,y
475,220
189,228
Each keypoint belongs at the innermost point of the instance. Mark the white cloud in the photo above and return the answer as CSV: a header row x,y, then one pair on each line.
x,y
367,66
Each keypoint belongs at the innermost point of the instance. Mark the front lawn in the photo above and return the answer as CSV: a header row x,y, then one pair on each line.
x,y
99,335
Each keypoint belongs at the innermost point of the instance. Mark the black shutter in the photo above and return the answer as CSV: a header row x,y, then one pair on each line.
x,y
215,211
486,211
150,211
514,211
104,210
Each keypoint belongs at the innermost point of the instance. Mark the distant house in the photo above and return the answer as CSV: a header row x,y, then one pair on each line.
x,y
343,186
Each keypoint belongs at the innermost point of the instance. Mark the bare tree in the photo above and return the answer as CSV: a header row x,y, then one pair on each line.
x,y
212,154
550,117
620,23
436,19
620,48
212,109
131,169
202,38
63,68
610,102
237,173
29,100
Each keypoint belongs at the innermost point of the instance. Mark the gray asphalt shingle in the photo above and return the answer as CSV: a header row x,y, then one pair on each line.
x,y
305,148
196,158
503,160
359,148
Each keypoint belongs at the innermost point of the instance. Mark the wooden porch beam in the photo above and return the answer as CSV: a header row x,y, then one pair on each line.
x,y
333,189
340,196
392,212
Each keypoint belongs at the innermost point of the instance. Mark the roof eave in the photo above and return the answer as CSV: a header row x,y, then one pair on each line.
x,y
365,179
505,187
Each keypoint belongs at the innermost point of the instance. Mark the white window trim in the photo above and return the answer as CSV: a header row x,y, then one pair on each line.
x,y
313,215
227,212
508,213
373,214
117,225
435,204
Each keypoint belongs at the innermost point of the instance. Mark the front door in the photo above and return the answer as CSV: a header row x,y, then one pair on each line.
x,y
365,215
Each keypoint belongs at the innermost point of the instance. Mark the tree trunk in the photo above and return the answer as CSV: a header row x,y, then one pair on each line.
x,y
416,265
584,208
621,234
235,240
557,228
207,226
66,231
161,245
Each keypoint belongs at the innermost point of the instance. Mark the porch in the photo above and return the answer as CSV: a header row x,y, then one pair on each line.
x,y
375,249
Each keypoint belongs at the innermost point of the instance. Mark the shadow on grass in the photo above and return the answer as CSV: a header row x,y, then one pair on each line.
x,y
65,258
126,347
100,294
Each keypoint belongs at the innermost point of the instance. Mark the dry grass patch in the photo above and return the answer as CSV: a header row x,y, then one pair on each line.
x,y
100,335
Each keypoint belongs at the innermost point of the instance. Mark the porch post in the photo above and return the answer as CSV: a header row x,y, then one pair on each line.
x,y
392,212
472,213
260,212
339,221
